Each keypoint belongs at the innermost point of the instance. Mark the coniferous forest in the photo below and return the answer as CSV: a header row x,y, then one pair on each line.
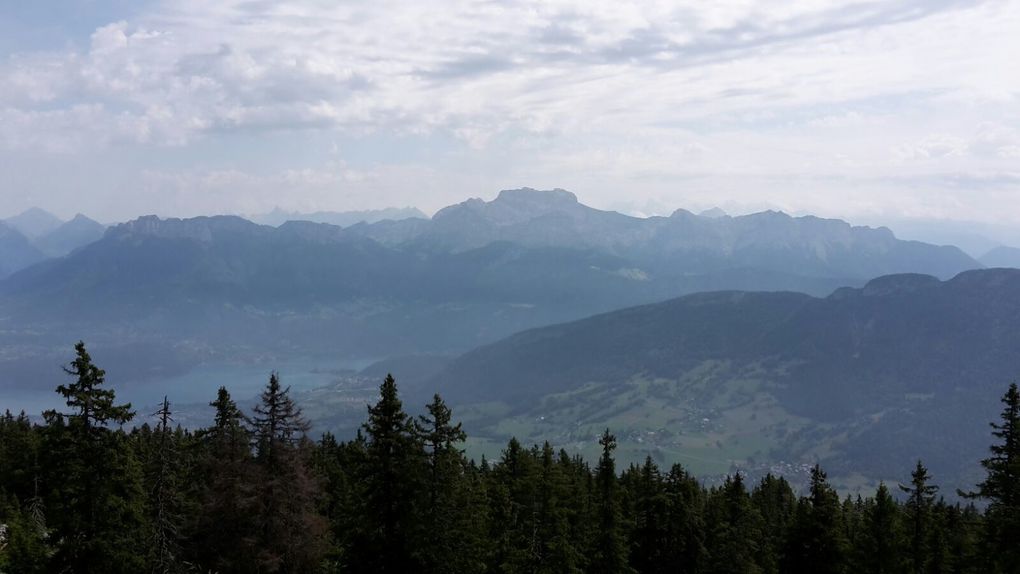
x,y
88,491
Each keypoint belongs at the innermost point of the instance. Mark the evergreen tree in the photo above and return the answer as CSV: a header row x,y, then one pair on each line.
x,y
920,498
686,522
880,541
939,559
776,503
817,542
277,422
290,534
445,546
1001,487
98,498
224,536
557,549
576,509
961,526
515,503
853,528
609,556
734,538
391,477
650,535
329,459
472,526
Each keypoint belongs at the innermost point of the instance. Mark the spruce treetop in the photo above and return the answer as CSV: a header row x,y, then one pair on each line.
x,y
92,405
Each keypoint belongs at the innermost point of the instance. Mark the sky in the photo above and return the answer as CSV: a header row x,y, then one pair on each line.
x,y
863,110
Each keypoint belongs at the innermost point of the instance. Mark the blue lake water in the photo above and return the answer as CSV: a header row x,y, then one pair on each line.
x,y
198,386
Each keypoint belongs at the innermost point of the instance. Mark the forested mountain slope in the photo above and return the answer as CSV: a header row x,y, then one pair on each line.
x,y
865,378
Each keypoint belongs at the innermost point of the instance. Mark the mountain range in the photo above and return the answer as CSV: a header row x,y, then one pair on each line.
x,y
36,234
684,243
477,271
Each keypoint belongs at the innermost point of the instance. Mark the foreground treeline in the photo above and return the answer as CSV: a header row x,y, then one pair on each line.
x,y
252,494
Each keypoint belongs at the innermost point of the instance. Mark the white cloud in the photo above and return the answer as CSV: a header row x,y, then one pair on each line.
x,y
651,96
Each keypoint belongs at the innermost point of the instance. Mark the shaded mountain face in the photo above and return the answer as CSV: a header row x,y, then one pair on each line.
x,y
16,251
34,222
77,232
1002,256
867,378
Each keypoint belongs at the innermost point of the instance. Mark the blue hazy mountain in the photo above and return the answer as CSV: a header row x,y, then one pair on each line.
x,y
340,218
683,243
476,271
1002,256
34,222
71,235
16,251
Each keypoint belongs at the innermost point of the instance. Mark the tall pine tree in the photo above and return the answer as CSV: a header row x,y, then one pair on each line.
x,y
734,541
391,481
920,499
609,555
291,535
817,541
880,541
443,544
1001,487
97,498
650,536
224,536
776,503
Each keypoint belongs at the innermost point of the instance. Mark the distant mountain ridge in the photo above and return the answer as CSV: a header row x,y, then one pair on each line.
x,y
35,234
866,378
34,222
341,218
70,235
1002,256
696,244
684,243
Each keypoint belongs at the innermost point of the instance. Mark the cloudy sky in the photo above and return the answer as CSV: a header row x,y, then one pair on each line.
x,y
891,108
